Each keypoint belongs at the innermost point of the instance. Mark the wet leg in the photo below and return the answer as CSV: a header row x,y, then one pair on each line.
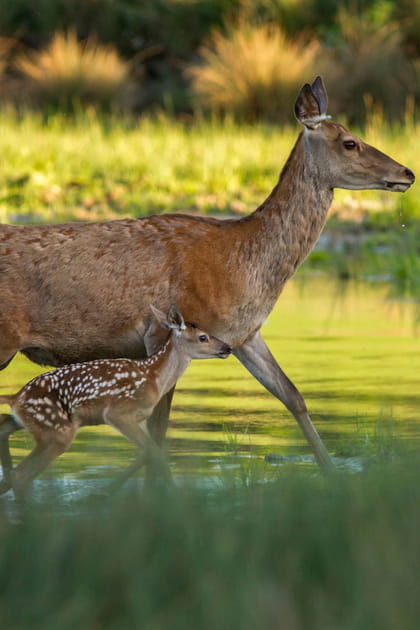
x,y
257,358
133,425
49,445
8,425
158,422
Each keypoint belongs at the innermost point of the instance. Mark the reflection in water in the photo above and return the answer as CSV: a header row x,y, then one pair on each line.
x,y
354,355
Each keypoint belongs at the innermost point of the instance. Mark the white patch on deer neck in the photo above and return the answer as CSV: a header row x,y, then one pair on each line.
x,y
318,119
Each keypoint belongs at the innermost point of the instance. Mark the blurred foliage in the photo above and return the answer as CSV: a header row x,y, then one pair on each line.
x,y
383,249
305,553
68,74
366,46
368,60
253,72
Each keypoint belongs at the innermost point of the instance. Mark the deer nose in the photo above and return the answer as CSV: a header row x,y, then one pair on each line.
x,y
409,174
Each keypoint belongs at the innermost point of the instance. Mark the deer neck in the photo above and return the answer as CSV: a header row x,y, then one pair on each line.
x,y
289,222
167,365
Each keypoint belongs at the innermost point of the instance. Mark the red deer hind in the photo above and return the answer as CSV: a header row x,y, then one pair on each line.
x,y
77,292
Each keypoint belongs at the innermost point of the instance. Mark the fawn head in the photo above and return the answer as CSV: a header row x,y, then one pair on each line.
x,y
343,159
195,342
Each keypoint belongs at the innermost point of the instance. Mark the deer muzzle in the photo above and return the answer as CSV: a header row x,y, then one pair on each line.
x,y
407,179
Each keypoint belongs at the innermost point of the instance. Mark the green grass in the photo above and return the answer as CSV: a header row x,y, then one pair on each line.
x,y
304,553
95,168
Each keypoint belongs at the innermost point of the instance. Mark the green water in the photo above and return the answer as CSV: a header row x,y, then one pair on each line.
x,y
353,353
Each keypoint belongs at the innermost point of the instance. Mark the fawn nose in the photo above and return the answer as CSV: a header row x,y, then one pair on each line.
x,y
409,173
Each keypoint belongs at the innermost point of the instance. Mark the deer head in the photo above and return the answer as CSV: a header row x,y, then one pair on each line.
x,y
196,343
343,160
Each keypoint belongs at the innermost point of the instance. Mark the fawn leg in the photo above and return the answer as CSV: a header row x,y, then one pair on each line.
x,y
133,425
257,358
49,445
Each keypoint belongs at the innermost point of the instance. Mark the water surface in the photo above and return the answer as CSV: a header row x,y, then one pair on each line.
x,y
353,353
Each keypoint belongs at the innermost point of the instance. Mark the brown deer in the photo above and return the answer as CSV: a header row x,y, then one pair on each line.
x,y
77,292
119,392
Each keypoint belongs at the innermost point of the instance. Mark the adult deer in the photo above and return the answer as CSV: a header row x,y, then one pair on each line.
x,y
76,292
119,392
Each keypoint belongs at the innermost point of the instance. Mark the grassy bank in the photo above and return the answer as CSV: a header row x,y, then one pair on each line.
x,y
90,168
303,553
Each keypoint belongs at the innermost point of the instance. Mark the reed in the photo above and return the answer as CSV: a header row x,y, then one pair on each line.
x,y
302,553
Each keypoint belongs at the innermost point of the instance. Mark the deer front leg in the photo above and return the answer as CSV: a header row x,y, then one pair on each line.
x,y
154,338
158,422
257,358
133,424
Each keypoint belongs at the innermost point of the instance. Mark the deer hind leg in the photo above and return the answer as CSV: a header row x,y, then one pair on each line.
x,y
133,425
14,330
50,443
257,358
5,359
8,425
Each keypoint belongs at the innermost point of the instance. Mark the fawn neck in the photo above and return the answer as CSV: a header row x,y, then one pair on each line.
x,y
167,365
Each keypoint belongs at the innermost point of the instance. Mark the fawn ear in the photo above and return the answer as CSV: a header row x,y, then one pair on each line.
x,y
311,104
175,319
160,317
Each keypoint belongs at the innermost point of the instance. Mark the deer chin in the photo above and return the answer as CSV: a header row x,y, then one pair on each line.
x,y
396,186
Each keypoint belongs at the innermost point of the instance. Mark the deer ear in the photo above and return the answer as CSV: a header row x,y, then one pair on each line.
x,y
175,319
320,93
160,317
311,104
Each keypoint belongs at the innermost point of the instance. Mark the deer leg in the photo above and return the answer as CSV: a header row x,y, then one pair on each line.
x,y
11,331
49,445
8,425
158,422
133,425
4,362
257,358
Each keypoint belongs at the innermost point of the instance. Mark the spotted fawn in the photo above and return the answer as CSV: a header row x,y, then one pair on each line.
x,y
119,392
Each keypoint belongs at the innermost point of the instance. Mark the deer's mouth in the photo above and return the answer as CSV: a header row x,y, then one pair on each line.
x,y
401,185
397,186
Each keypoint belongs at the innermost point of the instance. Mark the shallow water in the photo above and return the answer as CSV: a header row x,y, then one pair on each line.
x,y
354,355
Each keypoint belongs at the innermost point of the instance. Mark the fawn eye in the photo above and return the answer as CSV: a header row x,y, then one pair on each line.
x,y
349,145
202,338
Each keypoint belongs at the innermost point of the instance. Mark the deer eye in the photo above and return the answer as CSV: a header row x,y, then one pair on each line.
x,y
202,338
350,145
